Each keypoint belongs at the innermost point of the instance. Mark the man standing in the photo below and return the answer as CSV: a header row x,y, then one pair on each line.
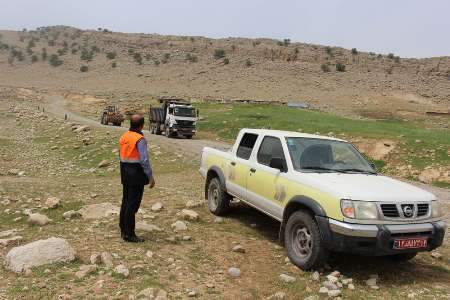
x,y
135,173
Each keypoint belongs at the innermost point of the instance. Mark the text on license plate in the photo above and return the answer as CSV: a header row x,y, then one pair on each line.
x,y
410,243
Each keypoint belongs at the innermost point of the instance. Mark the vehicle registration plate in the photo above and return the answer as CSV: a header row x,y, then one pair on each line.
x,y
410,243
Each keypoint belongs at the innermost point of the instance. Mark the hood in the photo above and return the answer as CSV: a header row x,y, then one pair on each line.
x,y
367,187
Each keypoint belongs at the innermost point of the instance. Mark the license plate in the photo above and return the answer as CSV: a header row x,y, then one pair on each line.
x,y
412,243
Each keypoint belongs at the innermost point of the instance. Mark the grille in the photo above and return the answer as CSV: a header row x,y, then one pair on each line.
x,y
422,210
185,123
389,210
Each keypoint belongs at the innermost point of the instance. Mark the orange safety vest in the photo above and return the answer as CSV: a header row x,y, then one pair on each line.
x,y
128,147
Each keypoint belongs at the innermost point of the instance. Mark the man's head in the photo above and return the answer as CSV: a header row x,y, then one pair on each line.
x,y
137,122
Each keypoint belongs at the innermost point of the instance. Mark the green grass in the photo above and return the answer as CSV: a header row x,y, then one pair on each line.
x,y
414,138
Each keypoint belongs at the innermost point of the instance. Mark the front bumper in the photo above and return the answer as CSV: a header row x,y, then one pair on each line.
x,y
378,239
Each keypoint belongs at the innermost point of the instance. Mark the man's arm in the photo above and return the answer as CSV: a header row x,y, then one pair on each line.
x,y
144,159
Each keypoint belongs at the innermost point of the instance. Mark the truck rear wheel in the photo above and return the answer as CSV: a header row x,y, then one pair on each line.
x,y
218,199
304,244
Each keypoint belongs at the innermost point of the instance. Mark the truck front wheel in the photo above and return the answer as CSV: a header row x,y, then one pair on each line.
x,y
218,199
304,244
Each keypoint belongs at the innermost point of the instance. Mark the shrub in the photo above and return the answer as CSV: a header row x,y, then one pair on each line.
x,y
44,54
248,62
325,68
226,61
296,51
61,51
156,62
111,55
397,59
51,43
191,58
167,55
55,61
34,58
84,69
130,51
192,39
286,42
371,53
233,47
219,53
390,55
340,67
74,51
380,56
329,51
31,43
86,55
114,64
137,58
354,51
95,49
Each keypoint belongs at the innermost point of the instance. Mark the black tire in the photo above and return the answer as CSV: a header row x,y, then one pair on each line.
x,y
304,243
218,199
158,129
188,136
402,257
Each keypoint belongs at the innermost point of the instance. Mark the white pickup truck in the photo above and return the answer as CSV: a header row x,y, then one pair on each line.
x,y
325,194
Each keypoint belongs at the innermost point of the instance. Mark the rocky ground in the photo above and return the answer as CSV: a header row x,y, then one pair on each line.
x,y
59,198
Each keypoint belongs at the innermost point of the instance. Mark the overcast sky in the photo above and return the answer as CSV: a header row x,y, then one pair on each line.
x,y
409,28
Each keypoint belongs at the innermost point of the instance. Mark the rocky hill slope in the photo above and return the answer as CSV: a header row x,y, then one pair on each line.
x,y
134,66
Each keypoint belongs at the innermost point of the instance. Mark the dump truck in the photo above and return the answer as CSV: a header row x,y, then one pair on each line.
x,y
173,118
111,115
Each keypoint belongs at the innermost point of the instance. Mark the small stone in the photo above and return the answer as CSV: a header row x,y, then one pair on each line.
x,y
234,272
149,254
334,293
312,297
85,270
371,281
335,273
332,279
187,238
179,226
286,278
330,286
95,258
38,219
104,163
10,241
374,287
144,226
189,215
347,280
192,294
7,233
323,290
122,270
218,220
152,293
351,286
239,248
315,276
71,214
52,202
278,296
436,255
157,206
193,204
107,259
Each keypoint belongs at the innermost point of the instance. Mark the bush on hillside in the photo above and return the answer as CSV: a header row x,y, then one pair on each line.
x,y
325,68
248,63
391,56
114,64
84,69
340,67
111,55
354,51
44,54
286,42
55,61
34,58
226,61
31,43
397,59
329,50
137,58
86,55
219,53
191,58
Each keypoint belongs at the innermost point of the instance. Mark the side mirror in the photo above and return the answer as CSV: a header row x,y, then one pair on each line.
x,y
278,163
373,166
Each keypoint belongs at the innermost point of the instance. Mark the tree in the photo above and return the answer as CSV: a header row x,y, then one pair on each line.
x,y
391,56
286,42
219,53
354,51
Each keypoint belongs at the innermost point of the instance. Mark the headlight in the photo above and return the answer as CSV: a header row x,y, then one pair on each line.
x,y
436,209
359,210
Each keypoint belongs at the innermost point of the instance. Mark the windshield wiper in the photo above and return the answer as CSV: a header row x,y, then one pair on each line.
x,y
357,170
321,169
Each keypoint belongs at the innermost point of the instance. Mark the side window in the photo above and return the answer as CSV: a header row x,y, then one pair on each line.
x,y
270,148
246,145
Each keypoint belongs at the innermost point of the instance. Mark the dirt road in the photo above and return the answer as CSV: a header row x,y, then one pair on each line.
x,y
57,106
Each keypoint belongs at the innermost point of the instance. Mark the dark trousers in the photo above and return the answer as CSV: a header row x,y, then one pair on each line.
x,y
131,200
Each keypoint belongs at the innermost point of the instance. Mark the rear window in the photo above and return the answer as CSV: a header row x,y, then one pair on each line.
x,y
246,145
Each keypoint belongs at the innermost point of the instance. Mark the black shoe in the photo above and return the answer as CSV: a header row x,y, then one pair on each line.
x,y
133,239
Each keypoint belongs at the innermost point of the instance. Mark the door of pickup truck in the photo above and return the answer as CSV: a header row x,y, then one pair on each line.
x,y
266,186
239,166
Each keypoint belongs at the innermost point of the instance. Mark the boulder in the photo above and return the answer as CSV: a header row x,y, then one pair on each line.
x,y
71,214
7,233
39,253
286,278
95,258
193,203
98,211
429,175
239,248
179,226
107,259
38,219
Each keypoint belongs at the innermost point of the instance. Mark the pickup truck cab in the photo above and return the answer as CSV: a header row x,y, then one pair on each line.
x,y
325,194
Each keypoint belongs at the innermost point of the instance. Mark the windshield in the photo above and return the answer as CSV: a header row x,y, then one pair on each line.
x,y
319,155
184,111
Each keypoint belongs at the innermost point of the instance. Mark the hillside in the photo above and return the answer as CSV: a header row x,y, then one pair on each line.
x,y
135,66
